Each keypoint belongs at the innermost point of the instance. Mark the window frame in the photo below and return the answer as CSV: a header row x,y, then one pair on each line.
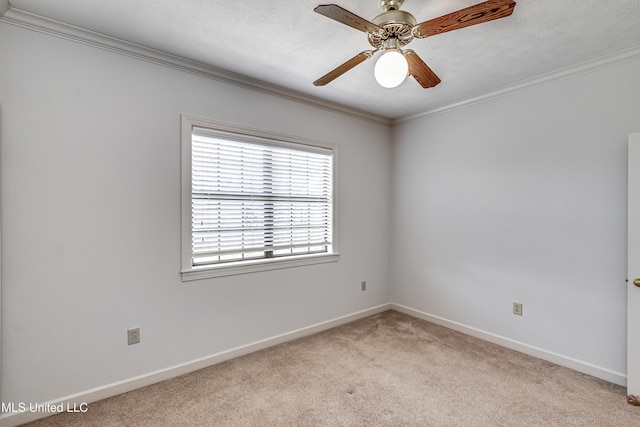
x,y
189,271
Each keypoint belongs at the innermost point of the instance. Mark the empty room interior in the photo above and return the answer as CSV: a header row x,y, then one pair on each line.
x,y
487,192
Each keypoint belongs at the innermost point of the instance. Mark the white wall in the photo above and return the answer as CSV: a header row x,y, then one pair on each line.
x,y
522,199
91,220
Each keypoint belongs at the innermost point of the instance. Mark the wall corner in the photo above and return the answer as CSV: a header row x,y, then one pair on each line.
x,y
4,7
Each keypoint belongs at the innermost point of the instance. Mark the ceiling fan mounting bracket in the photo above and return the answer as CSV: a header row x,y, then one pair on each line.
x,y
390,4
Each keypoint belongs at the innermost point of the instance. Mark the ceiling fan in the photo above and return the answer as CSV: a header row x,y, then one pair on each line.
x,y
393,29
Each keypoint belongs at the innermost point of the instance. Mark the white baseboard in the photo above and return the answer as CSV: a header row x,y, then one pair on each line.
x,y
113,389
568,362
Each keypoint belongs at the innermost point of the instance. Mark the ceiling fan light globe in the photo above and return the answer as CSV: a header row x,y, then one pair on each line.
x,y
391,69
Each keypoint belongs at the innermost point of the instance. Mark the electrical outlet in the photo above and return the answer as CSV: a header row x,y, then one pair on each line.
x,y
133,336
517,308
363,285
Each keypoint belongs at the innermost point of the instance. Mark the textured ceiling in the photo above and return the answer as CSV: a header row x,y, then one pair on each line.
x,y
287,44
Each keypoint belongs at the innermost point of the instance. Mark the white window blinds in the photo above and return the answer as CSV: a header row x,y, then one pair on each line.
x,y
255,198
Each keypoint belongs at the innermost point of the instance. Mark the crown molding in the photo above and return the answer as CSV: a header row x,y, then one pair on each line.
x,y
44,25
621,57
48,26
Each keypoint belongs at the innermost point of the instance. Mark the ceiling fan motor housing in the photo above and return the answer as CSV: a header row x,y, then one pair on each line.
x,y
396,24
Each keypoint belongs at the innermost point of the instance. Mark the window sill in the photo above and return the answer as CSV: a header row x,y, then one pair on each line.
x,y
231,269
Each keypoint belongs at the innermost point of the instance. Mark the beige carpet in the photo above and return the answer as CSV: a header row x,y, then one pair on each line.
x,y
387,370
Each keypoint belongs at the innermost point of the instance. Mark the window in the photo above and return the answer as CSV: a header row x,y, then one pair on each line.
x,y
253,200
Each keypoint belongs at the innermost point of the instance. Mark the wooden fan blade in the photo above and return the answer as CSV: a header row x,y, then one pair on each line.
x,y
421,71
339,14
341,69
472,15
